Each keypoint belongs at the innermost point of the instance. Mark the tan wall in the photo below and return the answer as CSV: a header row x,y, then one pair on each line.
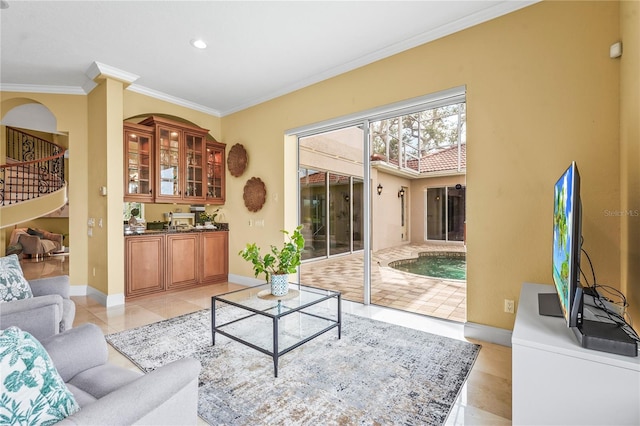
x,y
542,91
630,154
71,113
387,231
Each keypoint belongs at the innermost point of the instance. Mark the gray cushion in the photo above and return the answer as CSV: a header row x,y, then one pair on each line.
x,y
102,380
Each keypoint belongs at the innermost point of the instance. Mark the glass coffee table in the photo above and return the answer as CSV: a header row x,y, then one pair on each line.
x,y
275,325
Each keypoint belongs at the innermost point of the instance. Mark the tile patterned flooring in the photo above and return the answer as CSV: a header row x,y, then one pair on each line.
x,y
485,399
438,298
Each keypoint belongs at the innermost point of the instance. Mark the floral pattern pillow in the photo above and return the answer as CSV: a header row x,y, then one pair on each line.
x,y
31,390
13,285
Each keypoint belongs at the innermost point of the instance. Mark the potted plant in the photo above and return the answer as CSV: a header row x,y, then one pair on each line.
x,y
278,264
208,219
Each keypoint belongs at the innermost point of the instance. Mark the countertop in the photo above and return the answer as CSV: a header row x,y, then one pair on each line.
x,y
219,227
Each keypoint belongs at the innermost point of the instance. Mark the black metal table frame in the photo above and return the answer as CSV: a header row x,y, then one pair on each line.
x,y
275,354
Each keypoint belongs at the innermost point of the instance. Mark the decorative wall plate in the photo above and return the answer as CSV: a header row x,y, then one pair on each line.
x,y
237,160
255,194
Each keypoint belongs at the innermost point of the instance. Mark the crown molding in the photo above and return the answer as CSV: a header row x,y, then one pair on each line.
x,y
97,70
172,99
35,88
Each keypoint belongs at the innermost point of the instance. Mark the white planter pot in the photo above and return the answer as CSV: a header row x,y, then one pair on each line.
x,y
279,284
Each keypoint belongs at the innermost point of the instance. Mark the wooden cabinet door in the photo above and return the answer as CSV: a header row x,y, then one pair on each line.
x,y
214,256
144,265
138,163
215,173
168,160
182,259
194,179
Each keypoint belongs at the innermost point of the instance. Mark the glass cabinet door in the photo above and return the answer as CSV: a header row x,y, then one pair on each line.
x,y
215,173
138,168
194,145
169,164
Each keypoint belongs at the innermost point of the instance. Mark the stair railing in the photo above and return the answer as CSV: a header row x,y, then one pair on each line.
x,y
35,167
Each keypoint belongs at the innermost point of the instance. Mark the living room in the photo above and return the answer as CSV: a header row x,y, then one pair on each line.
x,y
541,91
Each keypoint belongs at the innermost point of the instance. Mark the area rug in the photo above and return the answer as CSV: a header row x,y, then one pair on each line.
x,y
377,373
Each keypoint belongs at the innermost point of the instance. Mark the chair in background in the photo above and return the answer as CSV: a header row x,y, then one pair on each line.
x,y
36,242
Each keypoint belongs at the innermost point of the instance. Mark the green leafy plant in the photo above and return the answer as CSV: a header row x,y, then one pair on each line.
x,y
206,217
278,261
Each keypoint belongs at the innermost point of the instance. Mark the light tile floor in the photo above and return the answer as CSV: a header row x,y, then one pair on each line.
x,y
485,398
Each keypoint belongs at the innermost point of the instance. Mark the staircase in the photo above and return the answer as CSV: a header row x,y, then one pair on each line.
x,y
32,180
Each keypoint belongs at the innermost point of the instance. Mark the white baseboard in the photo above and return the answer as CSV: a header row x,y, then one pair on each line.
x,y
242,280
487,333
78,290
105,300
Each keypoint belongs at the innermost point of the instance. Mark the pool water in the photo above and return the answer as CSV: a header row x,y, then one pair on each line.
x,y
440,265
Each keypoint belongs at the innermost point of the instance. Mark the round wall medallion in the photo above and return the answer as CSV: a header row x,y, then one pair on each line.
x,y
255,194
237,160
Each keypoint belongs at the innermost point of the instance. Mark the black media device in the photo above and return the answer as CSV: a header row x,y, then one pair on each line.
x,y
568,300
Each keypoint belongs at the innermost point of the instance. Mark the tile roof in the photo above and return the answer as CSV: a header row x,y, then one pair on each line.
x,y
445,159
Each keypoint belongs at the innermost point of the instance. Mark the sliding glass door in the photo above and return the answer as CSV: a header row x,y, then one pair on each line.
x,y
445,213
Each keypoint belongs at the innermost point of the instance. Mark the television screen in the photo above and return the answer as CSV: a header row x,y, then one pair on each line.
x,y
566,240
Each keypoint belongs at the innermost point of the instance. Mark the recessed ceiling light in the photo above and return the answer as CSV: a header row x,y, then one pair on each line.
x,y
198,43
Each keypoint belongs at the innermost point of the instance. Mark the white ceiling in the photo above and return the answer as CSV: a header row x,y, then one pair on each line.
x,y
256,50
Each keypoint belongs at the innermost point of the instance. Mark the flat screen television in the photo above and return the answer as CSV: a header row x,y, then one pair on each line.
x,y
568,300
567,236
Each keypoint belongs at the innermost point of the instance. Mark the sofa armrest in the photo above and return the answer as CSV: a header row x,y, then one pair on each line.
x,y
30,244
167,396
40,316
77,349
56,238
51,285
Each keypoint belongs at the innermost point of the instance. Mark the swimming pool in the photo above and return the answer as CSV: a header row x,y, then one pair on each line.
x,y
446,264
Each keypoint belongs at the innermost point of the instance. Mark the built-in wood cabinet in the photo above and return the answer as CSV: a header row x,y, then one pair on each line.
x,y
180,151
168,261
138,163
168,161
144,264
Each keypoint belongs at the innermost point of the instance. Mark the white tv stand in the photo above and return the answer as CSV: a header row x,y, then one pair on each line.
x,y
555,381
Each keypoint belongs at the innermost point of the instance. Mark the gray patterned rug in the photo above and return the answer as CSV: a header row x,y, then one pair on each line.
x,y
377,373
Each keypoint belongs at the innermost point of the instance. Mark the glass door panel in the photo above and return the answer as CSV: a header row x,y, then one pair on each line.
x,y
436,215
169,152
357,195
193,150
339,214
138,163
313,202
456,200
215,176
332,211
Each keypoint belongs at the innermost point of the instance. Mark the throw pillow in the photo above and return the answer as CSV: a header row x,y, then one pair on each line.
x,y
31,390
13,285
35,232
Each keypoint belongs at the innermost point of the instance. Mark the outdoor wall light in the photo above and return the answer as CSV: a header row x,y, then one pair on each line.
x,y
379,188
401,193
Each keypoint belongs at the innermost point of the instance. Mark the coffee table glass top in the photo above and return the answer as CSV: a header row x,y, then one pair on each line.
x,y
259,298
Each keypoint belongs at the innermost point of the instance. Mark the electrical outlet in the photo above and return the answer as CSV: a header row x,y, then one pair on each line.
x,y
509,306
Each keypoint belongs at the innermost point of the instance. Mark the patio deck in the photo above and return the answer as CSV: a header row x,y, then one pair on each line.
x,y
391,288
